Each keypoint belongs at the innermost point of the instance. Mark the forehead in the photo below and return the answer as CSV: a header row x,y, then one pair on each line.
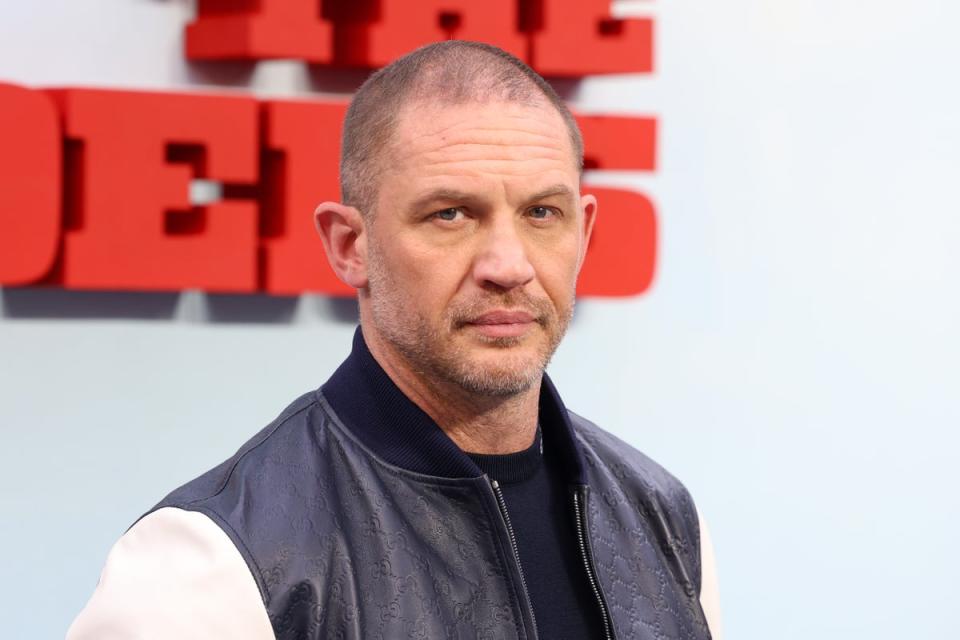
x,y
499,137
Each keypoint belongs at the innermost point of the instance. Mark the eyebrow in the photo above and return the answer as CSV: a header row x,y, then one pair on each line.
x,y
443,194
553,191
455,195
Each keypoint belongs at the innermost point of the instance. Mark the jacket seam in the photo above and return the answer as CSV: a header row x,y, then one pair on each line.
x,y
689,523
235,537
238,541
233,467
698,551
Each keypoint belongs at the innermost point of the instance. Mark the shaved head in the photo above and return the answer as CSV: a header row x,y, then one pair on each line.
x,y
453,72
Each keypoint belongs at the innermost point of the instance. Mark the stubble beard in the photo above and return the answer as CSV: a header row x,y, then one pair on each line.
x,y
439,352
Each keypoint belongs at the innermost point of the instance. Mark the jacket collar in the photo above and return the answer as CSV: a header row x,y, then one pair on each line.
x,y
375,410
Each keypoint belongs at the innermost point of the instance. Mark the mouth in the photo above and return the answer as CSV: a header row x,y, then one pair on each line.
x,y
502,323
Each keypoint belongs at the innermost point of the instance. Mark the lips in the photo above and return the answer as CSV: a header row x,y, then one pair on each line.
x,y
503,317
502,323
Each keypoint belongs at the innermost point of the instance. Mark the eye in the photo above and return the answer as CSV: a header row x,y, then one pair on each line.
x,y
451,214
542,213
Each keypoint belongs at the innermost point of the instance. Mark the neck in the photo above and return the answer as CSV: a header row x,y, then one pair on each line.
x,y
476,423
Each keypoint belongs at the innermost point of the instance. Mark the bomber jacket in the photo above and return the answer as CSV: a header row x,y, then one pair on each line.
x,y
354,524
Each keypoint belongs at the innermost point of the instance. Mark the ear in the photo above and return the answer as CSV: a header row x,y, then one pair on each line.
x,y
343,232
588,205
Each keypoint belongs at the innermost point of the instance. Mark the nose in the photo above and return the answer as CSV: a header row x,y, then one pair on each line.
x,y
502,260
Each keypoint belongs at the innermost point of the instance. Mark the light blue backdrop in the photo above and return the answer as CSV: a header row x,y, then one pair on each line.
x,y
795,362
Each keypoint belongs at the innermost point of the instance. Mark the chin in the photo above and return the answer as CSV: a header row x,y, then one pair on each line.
x,y
500,374
498,383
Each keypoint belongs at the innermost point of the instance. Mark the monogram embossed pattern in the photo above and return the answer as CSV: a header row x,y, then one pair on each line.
x,y
645,538
345,545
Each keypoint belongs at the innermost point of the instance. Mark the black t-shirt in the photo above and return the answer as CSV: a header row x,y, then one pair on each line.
x,y
538,501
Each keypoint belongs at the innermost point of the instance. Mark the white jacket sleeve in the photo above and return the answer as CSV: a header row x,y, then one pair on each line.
x,y
174,574
709,588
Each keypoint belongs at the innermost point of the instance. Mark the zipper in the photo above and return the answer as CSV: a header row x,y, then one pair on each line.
x,y
670,549
581,518
502,505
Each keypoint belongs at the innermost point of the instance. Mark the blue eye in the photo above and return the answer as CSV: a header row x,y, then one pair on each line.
x,y
541,212
449,215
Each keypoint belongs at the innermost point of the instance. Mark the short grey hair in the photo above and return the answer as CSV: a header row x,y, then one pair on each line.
x,y
450,72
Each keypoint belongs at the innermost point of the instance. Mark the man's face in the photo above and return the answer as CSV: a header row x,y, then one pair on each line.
x,y
475,243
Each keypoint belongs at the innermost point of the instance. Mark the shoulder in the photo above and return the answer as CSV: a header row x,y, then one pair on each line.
x,y
253,494
285,435
617,457
632,485
174,574
196,551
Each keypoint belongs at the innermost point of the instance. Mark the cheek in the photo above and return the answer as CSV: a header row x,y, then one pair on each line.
x,y
428,276
556,266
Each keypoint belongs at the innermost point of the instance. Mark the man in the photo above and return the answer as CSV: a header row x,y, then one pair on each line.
x,y
435,486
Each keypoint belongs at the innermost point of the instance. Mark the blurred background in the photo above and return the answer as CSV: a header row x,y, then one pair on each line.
x,y
795,362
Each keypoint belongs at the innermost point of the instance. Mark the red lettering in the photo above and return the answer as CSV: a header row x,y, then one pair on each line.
x,y
374,35
623,250
578,38
302,141
367,33
556,37
259,29
30,184
619,142
131,225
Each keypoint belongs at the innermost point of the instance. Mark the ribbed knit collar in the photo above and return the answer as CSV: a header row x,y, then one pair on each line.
x,y
375,410
508,468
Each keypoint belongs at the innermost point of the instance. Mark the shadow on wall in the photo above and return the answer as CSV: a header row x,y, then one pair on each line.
x,y
33,303
46,303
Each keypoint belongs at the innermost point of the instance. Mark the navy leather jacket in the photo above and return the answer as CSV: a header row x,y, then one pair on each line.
x,y
357,523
